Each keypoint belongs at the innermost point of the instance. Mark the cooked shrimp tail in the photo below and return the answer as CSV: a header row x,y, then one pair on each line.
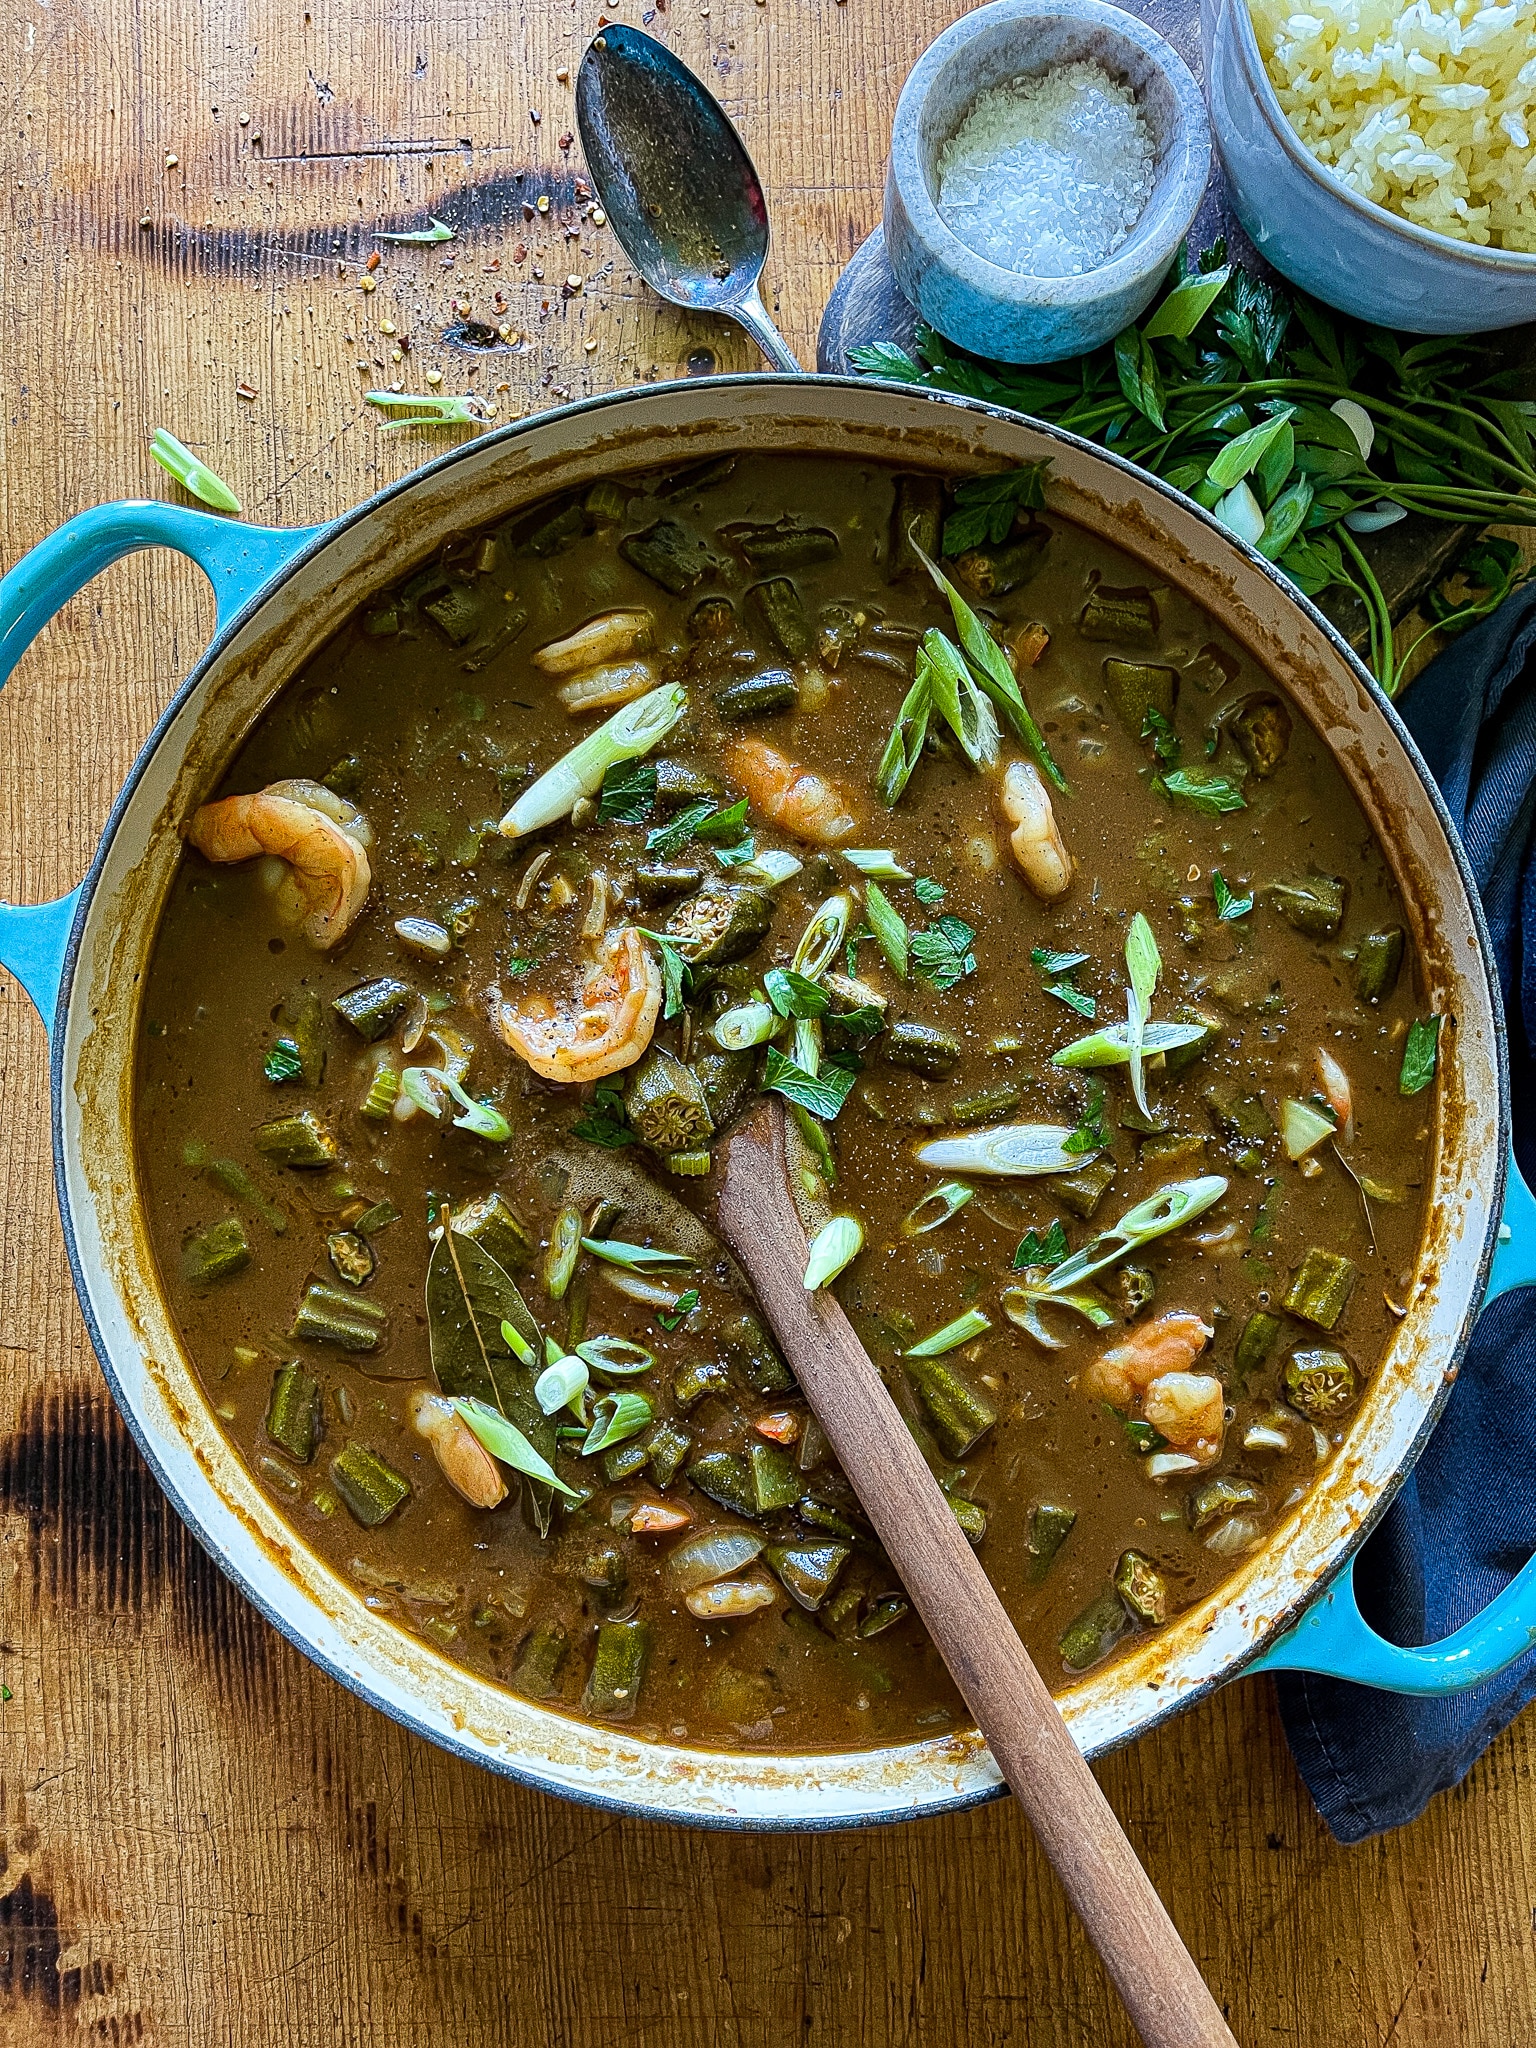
x,y
321,839
794,798
606,1026
1036,840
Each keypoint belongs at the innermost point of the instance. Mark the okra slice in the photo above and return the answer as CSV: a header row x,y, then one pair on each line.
x,y
807,1571
1118,615
784,545
680,783
761,696
293,1412
993,572
884,1613
778,607
726,1479
618,1669
1091,1637
216,1253
723,922
665,1104
775,1478
1082,1192
1314,905
816,1514
304,1015
695,1378
1262,729
371,1487
374,1007
1180,1058
300,1140
1136,687
1214,1499
351,1256
625,1460
916,519
1320,1384
1322,1287
986,1105
752,1351
1254,1347
1378,961
921,1048
327,1316
1142,1587
669,554
494,1226
958,1415
669,1445
662,881
1049,1528
971,1516
537,1676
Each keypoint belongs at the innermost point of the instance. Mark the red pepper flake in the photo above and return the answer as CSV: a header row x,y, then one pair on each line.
x,y
583,189
373,261
567,139
245,390
520,252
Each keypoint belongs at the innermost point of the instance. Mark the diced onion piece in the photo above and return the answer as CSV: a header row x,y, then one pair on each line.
x,y
746,1025
1240,513
878,861
712,1554
733,1600
1302,1128
1006,1149
1171,1464
837,1243
561,1383
771,867
1233,1536
1359,423
1263,1436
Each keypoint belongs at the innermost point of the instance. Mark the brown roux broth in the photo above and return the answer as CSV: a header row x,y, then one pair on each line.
x,y
440,752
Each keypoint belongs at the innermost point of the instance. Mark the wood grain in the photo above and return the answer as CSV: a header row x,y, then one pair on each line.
x,y
203,1841
1138,1944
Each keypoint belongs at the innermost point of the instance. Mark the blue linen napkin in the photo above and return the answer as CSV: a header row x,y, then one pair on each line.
x,y
1465,1520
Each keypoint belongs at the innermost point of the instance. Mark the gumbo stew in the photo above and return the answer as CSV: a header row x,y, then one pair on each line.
x,y
1086,986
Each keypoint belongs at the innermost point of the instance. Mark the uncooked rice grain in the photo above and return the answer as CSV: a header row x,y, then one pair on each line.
x,y
1429,111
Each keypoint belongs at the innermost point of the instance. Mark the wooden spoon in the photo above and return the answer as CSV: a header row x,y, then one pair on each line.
x,y
1126,1920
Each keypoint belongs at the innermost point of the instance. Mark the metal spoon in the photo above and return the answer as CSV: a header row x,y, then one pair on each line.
x,y
679,189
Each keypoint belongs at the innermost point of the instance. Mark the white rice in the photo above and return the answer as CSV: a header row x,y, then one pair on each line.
x,y
1427,110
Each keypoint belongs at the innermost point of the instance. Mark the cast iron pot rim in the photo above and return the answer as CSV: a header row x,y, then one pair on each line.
x,y
356,1681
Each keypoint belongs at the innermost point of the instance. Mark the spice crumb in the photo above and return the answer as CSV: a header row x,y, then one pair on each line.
x,y
563,75
171,162
369,285
373,261
245,390
434,377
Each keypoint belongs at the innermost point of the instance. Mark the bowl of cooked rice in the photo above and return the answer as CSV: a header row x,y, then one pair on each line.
x,y
1381,156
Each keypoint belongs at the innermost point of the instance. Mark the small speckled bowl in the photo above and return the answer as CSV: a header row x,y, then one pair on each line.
x,y
1007,313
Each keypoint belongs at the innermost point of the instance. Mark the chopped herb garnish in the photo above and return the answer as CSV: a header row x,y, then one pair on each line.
x,y
1056,971
1228,906
928,892
1166,743
676,833
888,928
855,939
822,1094
985,506
1141,1436
861,1023
675,971
1090,1135
793,996
1419,1055
283,1062
1212,794
629,790
604,1122
1035,1250
724,824
684,1308
738,855
175,457
942,955
904,747
439,231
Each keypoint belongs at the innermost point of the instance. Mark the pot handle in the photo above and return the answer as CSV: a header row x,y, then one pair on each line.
x,y
238,561
1334,1638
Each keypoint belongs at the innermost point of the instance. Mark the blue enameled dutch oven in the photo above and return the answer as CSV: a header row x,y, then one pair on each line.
x,y
280,596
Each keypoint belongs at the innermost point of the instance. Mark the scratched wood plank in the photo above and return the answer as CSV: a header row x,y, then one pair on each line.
x,y
203,1840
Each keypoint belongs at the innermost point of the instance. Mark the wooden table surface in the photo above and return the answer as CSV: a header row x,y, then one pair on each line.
x,y
202,1839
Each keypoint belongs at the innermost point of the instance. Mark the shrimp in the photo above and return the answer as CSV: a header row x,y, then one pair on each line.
x,y
804,803
1037,843
1150,1369
322,840
606,1027
1333,1086
463,1460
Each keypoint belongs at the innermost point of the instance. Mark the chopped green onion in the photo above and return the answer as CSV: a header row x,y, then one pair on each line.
x,y
1180,1202
771,867
1008,1149
439,231
504,1440
284,1061
960,701
817,1143
480,1117
904,748
748,1024
615,1419
634,1258
419,1085
175,457
805,1046
562,1384
792,995
948,1200
889,929
1228,906
837,1243
1022,1305
1111,1047
1143,963
952,1336
633,730
1303,1128
878,861
616,1356
518,1344
823,936
433,409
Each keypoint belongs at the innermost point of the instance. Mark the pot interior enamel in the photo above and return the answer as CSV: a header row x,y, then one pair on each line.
x,y
154,1380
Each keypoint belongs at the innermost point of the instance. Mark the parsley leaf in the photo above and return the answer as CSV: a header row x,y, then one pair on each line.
x,y
675,972
604,1122
1034,1250
676,833
686,1304
928,892
1419,1056
1212,794
792,995
861,1023
1228,906
942,955
822,1094
1056,971
1090,1135
985,506
736,856
629,790
283,1062
724,824
1166,743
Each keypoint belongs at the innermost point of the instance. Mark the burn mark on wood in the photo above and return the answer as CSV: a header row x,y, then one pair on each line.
x,y
30,1948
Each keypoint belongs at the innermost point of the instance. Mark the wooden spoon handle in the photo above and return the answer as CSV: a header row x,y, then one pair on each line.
x,y
1126,1920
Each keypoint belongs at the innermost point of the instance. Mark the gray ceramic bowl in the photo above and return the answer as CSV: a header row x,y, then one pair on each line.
x,y
1345,250
1007,313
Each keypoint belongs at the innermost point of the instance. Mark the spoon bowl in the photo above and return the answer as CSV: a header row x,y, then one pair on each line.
x,y
676,182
